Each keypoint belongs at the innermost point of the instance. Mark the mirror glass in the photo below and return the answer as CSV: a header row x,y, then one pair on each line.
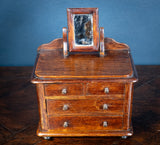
x,y
83,29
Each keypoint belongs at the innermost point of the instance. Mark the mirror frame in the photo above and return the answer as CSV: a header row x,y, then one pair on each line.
x,y
71,38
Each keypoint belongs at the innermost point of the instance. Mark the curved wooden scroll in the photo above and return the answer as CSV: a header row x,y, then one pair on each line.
x,y
109,44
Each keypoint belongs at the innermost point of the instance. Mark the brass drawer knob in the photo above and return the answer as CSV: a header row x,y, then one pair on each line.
x,y
105,124
64,91
65,124
65,107
105,106
106,90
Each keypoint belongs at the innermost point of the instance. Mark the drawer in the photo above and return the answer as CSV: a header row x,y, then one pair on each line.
x,y
91,107
103,88
63,89
68,123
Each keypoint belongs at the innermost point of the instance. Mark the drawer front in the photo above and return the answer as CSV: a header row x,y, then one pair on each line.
x,y
91,107
63,89
103,88
67,123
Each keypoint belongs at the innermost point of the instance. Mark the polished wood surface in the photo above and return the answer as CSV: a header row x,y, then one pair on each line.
x,y
52,64
102,49
83,75
56,89
85,106
65,43
110,44
19,111
75,125
97,88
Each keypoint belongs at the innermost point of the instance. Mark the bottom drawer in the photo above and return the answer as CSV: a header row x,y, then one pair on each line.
x,y
85,123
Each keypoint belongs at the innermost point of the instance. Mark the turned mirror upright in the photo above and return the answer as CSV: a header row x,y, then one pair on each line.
x,y
83,32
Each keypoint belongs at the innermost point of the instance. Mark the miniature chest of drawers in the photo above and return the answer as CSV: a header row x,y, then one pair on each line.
x,y
84,95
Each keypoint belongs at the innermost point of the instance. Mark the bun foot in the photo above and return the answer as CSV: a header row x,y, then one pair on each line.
x,y
124,137
47,137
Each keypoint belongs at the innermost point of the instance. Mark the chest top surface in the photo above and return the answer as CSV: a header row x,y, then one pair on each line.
x,y
116,64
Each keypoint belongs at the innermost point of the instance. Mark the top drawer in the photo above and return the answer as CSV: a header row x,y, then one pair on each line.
x,y
63,89
103,88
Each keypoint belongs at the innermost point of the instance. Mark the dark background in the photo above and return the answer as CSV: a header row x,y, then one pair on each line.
x,y
26,24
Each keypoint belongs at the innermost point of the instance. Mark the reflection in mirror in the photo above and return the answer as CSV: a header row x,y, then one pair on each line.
x,y
83,29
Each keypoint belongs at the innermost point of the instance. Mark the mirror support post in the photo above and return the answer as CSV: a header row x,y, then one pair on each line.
x,y
102,49
65,43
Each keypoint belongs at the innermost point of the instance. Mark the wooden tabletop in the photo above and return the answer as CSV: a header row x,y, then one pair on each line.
x,y
117,63
52,64
19,111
